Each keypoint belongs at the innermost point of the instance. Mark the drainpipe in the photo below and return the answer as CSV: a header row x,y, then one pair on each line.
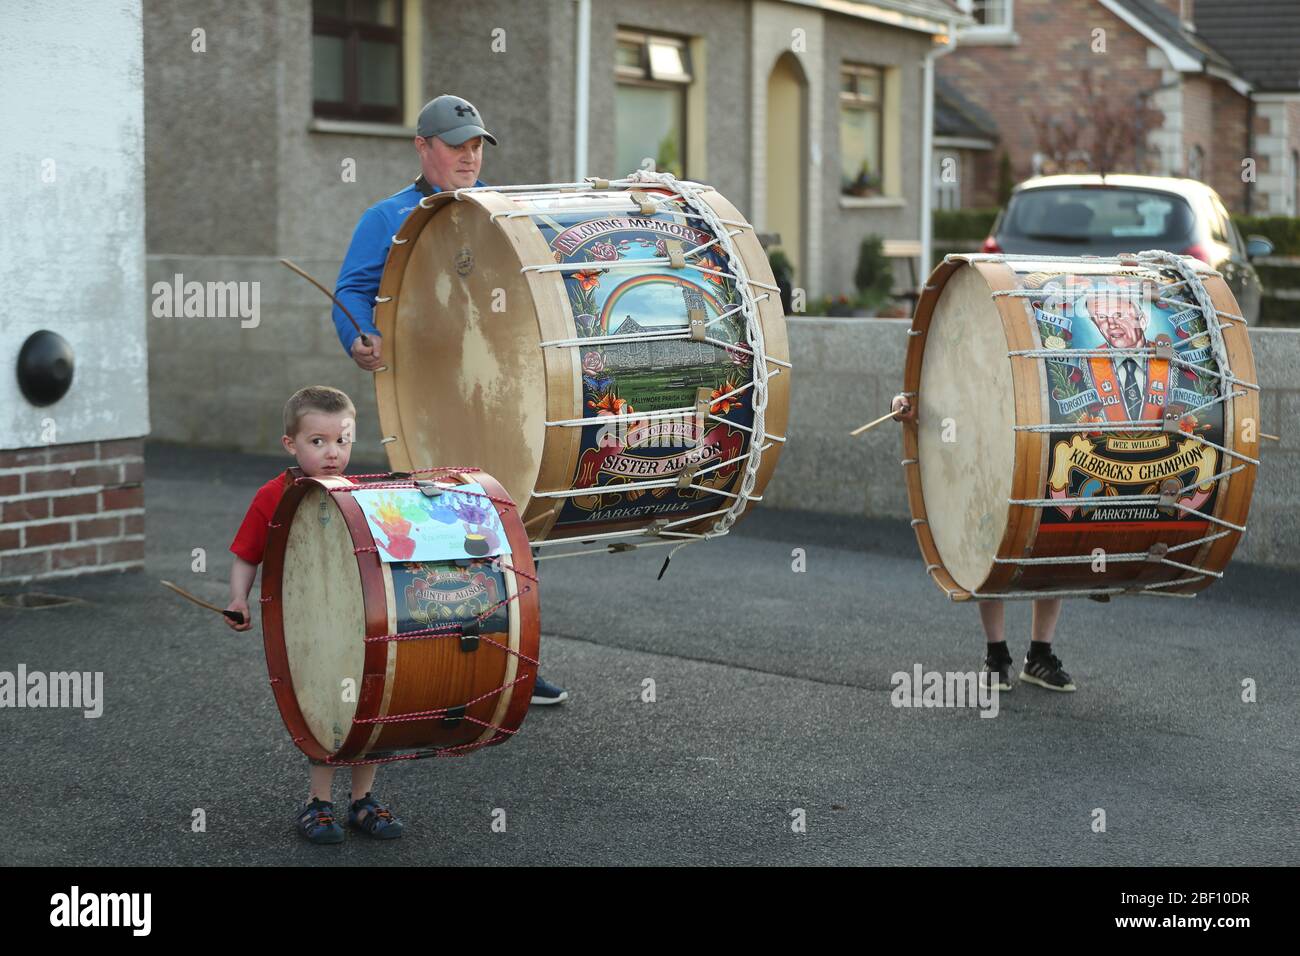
x,y
927,147
582,91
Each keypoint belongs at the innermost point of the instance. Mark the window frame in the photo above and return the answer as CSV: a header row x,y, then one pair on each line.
x,y
988,29
643,76
352,32
853,100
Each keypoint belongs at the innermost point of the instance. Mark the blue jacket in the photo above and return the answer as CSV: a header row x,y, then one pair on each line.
x,y
358,282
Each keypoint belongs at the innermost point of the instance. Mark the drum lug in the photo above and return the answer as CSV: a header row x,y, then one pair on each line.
x,y
1164,348
1171,424
695,319
398,476
453,715
1099,598
469,632
429,488
618,547
1169,489
1156,553
654,527
687,476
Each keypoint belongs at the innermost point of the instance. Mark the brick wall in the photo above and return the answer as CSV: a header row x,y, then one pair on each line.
x,y
68,510
1041,77
1230,113
1042,74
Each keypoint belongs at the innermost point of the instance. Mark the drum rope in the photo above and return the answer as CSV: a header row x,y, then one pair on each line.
x,y
753,336
1190,281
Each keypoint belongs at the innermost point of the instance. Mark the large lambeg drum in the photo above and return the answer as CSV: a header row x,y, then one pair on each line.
x,y
1084,426
615,355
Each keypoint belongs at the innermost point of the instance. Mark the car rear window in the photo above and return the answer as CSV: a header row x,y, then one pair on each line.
x,y
1089,214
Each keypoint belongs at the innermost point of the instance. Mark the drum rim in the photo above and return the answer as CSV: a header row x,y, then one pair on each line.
x,y
375,613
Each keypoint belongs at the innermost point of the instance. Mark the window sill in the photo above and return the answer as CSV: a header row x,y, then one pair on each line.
x,y
872,202
976,37
355,128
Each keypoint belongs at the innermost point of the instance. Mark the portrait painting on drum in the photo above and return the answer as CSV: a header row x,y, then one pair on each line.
x,y
628,378
1105,328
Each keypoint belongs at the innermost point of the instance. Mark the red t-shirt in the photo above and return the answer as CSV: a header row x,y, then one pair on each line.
x,y
250,540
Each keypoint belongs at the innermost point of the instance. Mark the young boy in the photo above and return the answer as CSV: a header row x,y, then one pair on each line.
x,y
319,423
1041,667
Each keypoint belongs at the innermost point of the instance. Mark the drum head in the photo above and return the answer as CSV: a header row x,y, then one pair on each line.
x,y
965,428
470,379
324,617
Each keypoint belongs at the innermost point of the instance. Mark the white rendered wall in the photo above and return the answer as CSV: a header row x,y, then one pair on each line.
x,y
72,249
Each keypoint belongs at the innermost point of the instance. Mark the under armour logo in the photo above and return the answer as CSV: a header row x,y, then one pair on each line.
x,y
464,111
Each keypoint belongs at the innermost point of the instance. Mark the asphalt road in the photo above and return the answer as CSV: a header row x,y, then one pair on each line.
x,y
773,695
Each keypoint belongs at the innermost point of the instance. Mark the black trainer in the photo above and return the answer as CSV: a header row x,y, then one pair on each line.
x,y
997,673
1045,670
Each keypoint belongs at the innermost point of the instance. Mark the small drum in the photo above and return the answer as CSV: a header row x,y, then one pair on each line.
x,y
1084,426
399,616
614,353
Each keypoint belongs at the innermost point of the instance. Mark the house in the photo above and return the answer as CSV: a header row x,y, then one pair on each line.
x,y
1208,89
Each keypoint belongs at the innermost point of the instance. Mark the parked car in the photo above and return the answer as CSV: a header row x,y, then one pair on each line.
x,y
1105,215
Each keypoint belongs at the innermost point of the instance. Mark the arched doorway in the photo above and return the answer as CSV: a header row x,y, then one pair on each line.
x,y
787,163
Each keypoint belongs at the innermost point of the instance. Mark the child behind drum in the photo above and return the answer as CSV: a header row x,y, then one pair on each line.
x,y
1042,667
319,424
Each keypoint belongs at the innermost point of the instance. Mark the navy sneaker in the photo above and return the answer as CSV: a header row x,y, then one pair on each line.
x,y
378,821
544,692
317,823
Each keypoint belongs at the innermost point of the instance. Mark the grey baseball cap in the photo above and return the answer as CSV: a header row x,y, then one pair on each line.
x,y
453,120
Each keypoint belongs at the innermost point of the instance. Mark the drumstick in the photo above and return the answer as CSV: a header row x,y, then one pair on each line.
x,y
884,417
365,340
1270,437
235,616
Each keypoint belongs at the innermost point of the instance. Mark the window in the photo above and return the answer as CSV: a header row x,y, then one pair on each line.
x,y
861,130
654,77
1196,163
357,60
947,179
992,16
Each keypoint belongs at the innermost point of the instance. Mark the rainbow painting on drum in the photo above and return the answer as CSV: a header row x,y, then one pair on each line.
x,y
1132,351
636,310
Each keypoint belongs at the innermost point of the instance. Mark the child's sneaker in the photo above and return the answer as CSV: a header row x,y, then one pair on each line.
x,y
997,673
1045,670
378,821
317,823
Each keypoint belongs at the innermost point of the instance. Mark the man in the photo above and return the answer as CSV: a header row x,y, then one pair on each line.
x,y
1126,390
449,140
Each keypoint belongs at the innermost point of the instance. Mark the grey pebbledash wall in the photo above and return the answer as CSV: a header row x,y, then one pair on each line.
x,y
214,383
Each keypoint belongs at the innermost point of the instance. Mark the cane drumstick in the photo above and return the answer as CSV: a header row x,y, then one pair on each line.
x,y
1270,437
868,425
365,339
235,616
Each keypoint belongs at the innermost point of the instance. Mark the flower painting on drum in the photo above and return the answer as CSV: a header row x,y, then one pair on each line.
x,y
1132,383
644,372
